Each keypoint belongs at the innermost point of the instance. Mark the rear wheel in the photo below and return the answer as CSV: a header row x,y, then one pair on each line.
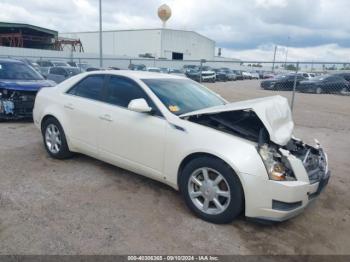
x,y
55,140
212,190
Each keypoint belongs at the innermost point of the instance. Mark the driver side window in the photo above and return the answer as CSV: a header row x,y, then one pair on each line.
x,y
121,90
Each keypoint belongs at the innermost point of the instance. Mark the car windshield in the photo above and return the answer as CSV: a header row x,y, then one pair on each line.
x,y
182,96
281,76
18,71
320,78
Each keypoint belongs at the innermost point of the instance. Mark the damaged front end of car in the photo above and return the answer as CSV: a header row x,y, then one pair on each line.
x,y
268,123
16,104
17,97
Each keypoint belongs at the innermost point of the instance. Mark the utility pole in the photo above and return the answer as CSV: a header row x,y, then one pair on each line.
x,y
285,62
100,33
274,60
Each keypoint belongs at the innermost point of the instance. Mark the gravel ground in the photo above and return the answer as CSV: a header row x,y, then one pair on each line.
x,y
84,206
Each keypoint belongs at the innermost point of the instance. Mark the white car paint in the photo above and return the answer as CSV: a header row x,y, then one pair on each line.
x,y
155,146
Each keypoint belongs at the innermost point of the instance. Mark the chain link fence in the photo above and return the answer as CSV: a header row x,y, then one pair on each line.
x,y
289,77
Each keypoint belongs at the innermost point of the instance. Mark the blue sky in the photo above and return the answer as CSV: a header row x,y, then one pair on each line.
x,y
246,29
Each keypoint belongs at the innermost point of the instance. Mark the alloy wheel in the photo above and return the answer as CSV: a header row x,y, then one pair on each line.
x,y
209,191
53,138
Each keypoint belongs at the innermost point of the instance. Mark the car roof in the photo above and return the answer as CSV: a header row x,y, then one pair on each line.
x,y
137,74
65,67
7,60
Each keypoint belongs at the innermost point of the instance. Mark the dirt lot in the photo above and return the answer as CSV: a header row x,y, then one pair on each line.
x,y
84,206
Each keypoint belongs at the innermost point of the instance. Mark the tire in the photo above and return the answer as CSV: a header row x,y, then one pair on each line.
x,y
53,134
343,91
318,90
228,191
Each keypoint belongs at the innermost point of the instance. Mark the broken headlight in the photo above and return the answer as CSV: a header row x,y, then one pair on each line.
x,y
276,168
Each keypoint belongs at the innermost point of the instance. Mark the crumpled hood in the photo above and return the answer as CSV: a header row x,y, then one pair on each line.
x,y
25,85
274,112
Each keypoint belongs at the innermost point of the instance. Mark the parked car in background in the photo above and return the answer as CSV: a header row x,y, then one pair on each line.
x,y
30,63
46,64
260,73
51,63
83,66
281,82
137,67
19,84
165,70
204,74
221,75
225,158
324,84
229,73
89,69
254,75
177,72
61,73
153,69
308,76
268,75
189,67
346,76
246,75
239,75
113,68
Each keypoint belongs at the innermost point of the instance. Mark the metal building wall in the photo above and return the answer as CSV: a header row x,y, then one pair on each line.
x,y
158,42
124,42
191,44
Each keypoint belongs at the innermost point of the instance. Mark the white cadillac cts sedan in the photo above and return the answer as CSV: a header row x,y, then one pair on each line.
x,y
225,158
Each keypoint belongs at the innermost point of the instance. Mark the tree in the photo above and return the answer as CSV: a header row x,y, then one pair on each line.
x,y
291,67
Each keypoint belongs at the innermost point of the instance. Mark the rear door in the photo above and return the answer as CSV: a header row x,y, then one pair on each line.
x,y
83,106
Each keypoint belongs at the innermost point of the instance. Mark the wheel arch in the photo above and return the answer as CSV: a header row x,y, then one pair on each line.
x,y
47,116
50,115
195,155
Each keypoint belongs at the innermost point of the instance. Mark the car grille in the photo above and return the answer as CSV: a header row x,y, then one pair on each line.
x,y
23,103
207,74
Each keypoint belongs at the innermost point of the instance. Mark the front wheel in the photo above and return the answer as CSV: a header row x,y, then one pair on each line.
x,y
55,140
343,91
212,190
318,90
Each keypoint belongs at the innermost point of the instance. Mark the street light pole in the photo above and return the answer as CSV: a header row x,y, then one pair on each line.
x,y
100,32
285,62
274,59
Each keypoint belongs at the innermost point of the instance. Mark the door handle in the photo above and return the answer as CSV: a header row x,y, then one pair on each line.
x,y
69,106
106,118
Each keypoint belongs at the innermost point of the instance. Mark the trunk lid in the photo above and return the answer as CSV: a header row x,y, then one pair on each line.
x,y
274,112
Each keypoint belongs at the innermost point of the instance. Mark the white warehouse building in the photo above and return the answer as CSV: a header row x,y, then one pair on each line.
x,y
159,43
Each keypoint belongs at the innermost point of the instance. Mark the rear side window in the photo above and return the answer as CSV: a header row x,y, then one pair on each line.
x,y
90,87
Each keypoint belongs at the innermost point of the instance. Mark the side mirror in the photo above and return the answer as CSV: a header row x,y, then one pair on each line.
x,y
139,105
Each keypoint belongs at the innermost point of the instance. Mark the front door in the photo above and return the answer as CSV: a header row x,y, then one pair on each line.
x,y
131,139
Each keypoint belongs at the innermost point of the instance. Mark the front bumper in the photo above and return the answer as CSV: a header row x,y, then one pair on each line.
x,y
15,109
282,200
